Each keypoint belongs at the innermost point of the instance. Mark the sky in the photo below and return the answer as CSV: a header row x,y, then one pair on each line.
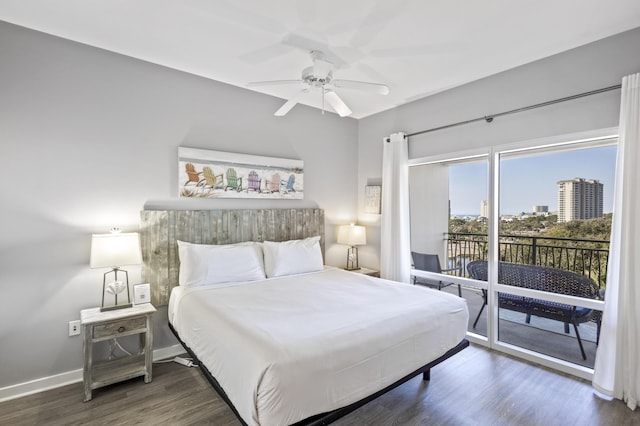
x,y
531,180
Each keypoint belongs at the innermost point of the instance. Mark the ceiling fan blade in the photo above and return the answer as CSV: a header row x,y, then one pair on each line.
x,y
286,107
264,54
314,42
381,89
230,12
273,83
336,103
377,18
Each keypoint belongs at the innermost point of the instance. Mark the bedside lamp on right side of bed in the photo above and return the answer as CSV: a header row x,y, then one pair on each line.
x,y
352,235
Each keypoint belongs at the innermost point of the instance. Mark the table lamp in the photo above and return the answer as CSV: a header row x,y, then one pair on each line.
x,y
113,251
352,235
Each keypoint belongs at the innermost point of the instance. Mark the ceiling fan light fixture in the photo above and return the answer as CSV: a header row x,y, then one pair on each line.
x,y
313,79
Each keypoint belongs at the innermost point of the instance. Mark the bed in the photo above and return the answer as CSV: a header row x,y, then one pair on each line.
x,y
291,341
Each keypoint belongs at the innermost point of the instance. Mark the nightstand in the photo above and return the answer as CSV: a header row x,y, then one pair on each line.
x,y
101,326
367,271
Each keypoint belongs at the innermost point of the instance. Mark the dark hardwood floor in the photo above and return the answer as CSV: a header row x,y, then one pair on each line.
x,y
475,387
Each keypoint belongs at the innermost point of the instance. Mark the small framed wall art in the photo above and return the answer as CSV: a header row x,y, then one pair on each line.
x,y
372,199
141,293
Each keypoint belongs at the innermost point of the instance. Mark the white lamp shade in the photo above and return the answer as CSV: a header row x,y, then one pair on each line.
x,y
352,235
114,250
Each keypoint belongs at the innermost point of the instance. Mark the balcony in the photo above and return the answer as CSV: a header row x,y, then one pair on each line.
x,y
585,257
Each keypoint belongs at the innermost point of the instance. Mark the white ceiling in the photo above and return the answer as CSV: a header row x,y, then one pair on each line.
x,y
416,47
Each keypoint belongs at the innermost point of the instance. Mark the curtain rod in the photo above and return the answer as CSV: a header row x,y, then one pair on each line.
x,y
489,118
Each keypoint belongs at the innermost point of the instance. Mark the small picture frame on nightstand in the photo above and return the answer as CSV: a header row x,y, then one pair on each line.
x,y
141,294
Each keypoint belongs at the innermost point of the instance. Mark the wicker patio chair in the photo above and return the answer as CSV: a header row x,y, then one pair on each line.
x,y
544,279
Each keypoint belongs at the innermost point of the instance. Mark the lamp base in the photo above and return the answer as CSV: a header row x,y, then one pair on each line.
x,y
352,259
114,288
115,307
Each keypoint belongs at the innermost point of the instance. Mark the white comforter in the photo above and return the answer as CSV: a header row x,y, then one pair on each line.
x,y
284,349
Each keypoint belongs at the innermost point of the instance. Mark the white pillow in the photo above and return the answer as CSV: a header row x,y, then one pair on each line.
x,y
202,264
292,257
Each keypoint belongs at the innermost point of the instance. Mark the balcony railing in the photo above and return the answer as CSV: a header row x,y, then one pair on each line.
x,y
586,257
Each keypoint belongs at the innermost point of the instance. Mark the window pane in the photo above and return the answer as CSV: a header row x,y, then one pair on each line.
x,y
448,220
554,228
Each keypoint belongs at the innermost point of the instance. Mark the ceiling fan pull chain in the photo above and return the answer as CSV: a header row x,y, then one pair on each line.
x,y
322,88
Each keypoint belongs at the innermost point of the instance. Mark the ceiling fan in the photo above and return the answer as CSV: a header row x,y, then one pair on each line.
x,y
320,76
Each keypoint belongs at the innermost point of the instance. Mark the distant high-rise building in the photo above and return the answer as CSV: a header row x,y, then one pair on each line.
x,y
541,209
579,199
484,208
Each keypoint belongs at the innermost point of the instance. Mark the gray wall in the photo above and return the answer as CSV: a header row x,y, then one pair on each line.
x,y
593,66
87,139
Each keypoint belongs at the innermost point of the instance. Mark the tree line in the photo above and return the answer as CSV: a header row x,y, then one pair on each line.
x,y
542,226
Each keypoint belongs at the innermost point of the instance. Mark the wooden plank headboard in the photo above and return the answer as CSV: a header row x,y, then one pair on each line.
x,y
159,230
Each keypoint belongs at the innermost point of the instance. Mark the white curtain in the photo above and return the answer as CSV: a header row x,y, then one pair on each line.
x,y
395,253
617,365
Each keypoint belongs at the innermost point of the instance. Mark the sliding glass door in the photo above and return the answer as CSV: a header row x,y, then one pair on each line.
x,y
522,234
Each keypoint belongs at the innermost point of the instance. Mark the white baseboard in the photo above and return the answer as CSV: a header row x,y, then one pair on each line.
x,y
168,352
69,377
39,385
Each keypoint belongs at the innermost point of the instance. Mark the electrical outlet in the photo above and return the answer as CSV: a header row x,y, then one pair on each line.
x,y
74,328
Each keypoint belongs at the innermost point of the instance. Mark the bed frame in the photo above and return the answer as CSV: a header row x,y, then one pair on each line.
x,y
331,416
161,228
